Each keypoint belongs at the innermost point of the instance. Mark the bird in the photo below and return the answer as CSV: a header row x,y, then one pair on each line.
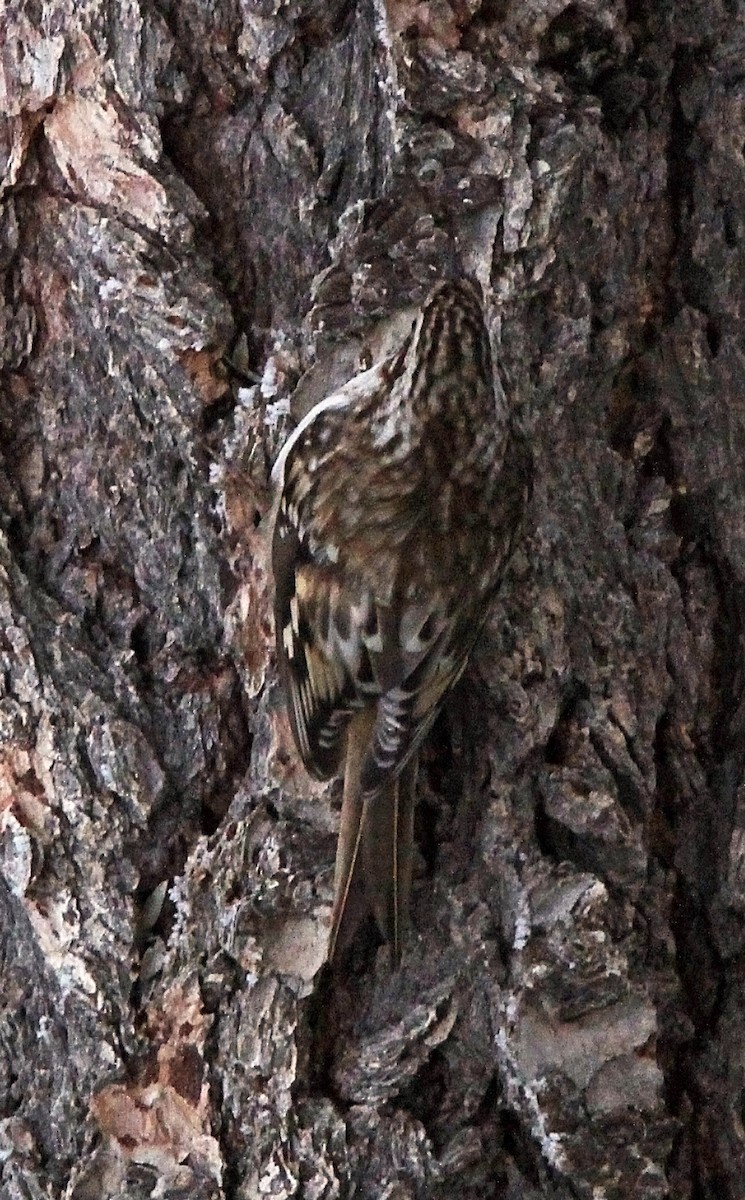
x,y
398,502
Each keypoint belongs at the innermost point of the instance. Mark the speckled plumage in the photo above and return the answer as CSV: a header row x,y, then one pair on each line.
x,y
399,499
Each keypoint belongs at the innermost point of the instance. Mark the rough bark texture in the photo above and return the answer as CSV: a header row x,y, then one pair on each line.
x,y
273,182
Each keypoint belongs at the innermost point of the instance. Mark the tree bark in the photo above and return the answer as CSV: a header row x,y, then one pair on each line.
x,y
212,213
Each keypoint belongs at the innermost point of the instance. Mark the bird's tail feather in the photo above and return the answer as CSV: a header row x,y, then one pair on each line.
x,y
387,853
349,894
375,850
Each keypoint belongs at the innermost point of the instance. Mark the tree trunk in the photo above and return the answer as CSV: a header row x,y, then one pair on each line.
x,y
211,208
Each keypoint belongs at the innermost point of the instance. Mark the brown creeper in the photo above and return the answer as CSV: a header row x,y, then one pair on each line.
x,y
400,497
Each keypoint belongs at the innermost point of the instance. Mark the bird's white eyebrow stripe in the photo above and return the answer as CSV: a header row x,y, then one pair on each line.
x,y
356,388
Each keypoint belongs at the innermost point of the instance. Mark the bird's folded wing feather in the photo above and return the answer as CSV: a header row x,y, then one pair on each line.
x,y
406,711
320,685
341,650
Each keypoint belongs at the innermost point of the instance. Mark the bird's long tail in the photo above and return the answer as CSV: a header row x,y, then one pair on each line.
x,y
375,850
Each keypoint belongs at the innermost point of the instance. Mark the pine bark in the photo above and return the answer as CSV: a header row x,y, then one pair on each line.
x,y
211,212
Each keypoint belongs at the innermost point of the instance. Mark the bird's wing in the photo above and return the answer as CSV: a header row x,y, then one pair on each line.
x,y
311,617
431,665
335,555
436,633
341,648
